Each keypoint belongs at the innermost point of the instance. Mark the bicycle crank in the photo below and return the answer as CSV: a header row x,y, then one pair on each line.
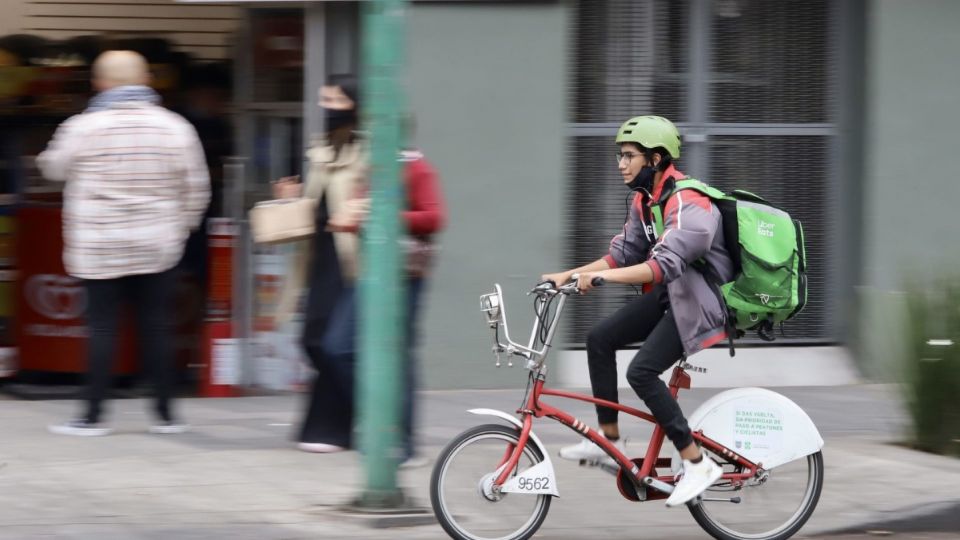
x,y
734,500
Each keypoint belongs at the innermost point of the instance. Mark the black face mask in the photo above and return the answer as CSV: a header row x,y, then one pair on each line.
x,y
643,180
338,118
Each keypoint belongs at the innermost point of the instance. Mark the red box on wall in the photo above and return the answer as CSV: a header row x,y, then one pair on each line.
x,y
50,330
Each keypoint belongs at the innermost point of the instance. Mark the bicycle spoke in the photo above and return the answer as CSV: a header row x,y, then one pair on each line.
x,y
464,499
772,505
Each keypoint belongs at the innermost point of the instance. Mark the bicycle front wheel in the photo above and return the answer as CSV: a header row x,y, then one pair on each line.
x,y
771,506
460,488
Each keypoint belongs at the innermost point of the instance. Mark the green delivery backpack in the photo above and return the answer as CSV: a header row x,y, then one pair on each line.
x,y
770,274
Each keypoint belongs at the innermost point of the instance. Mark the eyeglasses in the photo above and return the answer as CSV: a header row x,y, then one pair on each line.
x,y
626,155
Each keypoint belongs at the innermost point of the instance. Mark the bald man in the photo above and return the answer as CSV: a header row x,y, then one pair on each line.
x,y
120,68
136,185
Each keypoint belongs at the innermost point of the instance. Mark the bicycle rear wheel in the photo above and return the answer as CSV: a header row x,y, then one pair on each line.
x,y
460,487
773,506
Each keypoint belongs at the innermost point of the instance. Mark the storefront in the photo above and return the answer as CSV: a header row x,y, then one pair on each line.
x,y
46,80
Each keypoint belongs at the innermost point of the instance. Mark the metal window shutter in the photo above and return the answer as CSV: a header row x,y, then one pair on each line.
x,y
630,57
770,65
204,31
771,61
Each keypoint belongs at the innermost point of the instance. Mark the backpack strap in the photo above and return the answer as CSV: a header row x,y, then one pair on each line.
x,y
657,213
696,185
766,330
679,185
714,281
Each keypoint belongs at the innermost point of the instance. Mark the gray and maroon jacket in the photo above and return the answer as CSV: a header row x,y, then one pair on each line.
x,y
692,232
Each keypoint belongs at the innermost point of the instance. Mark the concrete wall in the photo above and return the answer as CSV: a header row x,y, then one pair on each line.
x,y
12,20
911,174
487,85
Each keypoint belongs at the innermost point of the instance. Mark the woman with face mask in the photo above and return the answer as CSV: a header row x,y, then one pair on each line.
x,y
337,179
326,265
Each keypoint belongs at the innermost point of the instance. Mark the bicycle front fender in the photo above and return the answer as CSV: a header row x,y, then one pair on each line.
x,y
539,479
762,426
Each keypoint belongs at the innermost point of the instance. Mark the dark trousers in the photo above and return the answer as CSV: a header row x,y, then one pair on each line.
x,y
414,295
149,297
332,353
330,412
648,319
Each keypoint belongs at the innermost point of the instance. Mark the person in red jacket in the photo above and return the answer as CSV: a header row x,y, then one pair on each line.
x,y
424,216
338,180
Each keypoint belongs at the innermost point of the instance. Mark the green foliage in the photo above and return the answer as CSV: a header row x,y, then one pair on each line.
x,y
932,367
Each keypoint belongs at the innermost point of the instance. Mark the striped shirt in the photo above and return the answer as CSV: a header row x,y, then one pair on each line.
x,y
136,185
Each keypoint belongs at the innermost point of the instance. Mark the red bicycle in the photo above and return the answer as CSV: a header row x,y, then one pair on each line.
x,y
768,447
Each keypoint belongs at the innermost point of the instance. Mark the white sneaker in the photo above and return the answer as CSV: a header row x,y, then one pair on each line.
x,y
697,477
319,448
80,428
169,428
414,462
587,451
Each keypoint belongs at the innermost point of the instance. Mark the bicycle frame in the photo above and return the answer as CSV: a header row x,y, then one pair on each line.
x,y
641,476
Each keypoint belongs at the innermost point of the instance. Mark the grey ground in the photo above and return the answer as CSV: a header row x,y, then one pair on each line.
x,y
236,475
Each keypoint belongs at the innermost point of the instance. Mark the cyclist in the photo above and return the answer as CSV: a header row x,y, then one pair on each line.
x,y
678,314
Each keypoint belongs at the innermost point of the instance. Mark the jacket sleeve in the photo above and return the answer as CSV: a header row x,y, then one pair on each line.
x,y
690,224
631,246
196,177
425,213
58,159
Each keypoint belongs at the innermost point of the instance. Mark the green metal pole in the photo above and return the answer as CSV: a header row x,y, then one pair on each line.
x,y
381,284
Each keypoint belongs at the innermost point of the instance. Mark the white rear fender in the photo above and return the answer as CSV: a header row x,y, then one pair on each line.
x,y
762,426
537,479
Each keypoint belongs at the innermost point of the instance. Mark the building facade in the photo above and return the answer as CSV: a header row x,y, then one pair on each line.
x,y
839,111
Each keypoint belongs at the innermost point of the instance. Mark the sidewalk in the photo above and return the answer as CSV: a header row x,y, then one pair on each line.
x,y
236,475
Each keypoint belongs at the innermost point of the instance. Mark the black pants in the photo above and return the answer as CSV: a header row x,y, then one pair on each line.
x,y
332,352
648,319
330,411
415,288
149,297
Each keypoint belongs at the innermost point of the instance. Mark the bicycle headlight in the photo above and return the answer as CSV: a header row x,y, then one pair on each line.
x,y
490,306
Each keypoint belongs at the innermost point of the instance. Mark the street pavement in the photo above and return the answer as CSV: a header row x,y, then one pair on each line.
x,y
237,476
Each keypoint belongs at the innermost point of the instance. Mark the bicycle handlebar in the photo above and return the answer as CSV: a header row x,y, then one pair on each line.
x,y
493,306
549,286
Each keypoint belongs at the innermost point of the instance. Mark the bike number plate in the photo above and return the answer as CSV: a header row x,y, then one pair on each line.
x,y
537,480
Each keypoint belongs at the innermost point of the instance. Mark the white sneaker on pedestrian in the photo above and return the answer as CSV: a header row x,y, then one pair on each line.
x,y
414,462
587,451
80,428
169,428
319,448
697,477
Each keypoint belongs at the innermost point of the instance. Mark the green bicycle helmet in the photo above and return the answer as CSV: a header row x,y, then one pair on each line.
x,y
651,132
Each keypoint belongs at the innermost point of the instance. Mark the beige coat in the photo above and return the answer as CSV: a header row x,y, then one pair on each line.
x,y
341,177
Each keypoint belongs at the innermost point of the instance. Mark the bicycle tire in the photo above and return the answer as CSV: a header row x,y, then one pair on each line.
x,y
785,530
437,498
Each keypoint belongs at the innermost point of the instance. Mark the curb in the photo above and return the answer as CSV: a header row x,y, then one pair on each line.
x,y
410,516
935,517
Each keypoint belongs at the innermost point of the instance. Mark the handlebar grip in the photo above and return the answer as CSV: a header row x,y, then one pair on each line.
x,y
598,281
